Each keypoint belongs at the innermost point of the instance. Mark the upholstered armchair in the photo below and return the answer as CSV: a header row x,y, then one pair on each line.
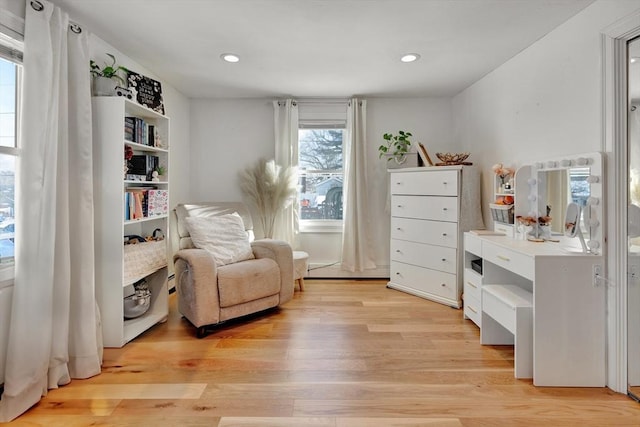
x,y
209,293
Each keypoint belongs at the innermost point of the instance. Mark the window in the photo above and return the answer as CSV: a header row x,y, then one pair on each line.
x,y
320,166
10,75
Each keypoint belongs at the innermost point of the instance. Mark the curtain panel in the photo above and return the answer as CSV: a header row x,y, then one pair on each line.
x,y
357,249
55,332
287,225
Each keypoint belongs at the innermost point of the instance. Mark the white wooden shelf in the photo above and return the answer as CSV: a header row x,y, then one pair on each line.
x,y
143,147
110,226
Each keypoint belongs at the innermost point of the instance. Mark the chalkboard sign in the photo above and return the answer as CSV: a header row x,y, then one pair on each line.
x,y
146,91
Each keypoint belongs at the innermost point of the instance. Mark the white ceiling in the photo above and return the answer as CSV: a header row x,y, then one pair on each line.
x,y
321,48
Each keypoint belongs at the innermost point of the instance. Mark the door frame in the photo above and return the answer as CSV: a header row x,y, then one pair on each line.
x,y
614,40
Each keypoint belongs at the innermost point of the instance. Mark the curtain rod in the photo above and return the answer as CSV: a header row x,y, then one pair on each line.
x,y
317,101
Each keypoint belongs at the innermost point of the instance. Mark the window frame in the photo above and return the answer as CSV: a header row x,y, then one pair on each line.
x,y
322,225
11,50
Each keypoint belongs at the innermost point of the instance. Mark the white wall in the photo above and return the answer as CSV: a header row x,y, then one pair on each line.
x,y
545,102
227,135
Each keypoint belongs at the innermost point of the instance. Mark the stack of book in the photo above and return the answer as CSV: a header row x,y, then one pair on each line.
x,y
138,131
144,202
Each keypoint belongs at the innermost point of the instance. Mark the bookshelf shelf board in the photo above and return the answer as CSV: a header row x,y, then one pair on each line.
x,y
143,147
145,183
149,218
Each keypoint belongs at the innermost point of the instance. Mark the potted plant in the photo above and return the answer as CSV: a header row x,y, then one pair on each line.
x,y
396,147
106,79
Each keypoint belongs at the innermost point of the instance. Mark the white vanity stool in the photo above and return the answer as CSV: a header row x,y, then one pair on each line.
x,y
507,318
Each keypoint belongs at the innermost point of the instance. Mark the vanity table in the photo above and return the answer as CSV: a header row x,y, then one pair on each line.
x,y
568,304
560,283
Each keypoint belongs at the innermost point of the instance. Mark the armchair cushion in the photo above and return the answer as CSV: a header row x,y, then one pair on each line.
x,y
223,236
237,282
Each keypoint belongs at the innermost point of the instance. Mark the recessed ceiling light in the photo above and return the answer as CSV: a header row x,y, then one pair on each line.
x,y
410,57
230,57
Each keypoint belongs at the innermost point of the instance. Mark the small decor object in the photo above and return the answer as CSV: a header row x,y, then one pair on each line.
x,y
106,80
146,91
422,151
448,159
270,188
397,146
505,175
128,155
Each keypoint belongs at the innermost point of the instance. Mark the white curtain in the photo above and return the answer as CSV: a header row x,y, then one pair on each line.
x,y
54,320
286,135
357,249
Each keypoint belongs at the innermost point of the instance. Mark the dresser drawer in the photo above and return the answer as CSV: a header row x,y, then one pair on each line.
x,y
422,255
432,183
473,309
423,207
424,280
425,231
472,284
516,262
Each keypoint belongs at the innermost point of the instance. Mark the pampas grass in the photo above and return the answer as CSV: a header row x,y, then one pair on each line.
x,y
270,188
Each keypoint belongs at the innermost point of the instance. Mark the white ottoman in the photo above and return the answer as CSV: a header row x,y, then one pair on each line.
x,y
300,263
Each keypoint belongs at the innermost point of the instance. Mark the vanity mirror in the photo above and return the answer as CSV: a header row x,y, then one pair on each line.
x,y
556,183
572,220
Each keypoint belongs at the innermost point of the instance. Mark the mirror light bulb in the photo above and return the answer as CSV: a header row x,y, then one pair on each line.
x,y
592,179
593,201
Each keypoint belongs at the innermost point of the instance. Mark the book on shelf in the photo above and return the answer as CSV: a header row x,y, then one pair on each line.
x,y
139,131
143,164
137,202
158,202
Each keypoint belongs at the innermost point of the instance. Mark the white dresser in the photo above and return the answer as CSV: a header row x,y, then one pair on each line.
x,y
431,208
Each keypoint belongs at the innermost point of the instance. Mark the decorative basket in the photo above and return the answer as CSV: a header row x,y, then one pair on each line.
x,y
502,213
453,159
142,259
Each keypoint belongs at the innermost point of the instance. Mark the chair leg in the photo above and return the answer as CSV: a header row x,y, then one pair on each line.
x,y
301,283
202,332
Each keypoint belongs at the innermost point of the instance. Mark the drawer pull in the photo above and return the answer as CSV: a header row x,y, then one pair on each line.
x,y
444,260
399,183
472,285
399,228
444,285
444,182
444,209
444,234
399,206
397,273
472,309
502,257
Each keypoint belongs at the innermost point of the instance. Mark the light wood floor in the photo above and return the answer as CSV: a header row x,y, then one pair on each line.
x,y
341,354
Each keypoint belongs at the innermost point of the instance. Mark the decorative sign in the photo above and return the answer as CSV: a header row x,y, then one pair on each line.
x,y
146,91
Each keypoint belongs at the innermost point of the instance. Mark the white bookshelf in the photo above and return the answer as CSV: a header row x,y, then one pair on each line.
x,y
110,223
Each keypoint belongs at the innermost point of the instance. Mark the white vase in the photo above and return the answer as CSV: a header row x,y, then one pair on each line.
x,y
104,86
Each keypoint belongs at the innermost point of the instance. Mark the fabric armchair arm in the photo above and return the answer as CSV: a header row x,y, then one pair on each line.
x,y
282,254
197,286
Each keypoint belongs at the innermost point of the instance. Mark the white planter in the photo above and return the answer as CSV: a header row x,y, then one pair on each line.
x,y
104,86
409,160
